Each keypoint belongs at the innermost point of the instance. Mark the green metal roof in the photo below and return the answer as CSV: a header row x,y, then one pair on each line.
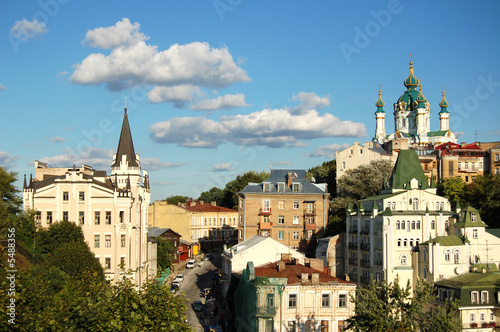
x,y
437,133
407,168
466,218
444,105
448,240
493,231
380,103
472,280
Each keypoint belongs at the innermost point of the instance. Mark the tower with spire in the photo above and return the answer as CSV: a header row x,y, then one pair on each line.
x,y
380,135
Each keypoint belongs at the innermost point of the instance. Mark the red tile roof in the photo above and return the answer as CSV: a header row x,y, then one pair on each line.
x,y
206,207
293,273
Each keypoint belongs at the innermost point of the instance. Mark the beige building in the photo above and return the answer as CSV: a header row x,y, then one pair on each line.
x,y
331,250
286,207
112,210
206,224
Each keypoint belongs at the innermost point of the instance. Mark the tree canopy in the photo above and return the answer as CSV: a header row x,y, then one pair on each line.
x,y
175,199
213,195
230,200
164,254
325,173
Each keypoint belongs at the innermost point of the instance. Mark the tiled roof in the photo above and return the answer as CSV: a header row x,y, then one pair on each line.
x,y
448,240
293,273
206,207
281,176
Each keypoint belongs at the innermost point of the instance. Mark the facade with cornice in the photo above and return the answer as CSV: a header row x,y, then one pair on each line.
x,y
112,210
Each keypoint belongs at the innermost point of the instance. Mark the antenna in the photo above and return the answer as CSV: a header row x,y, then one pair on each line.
x,y
476,133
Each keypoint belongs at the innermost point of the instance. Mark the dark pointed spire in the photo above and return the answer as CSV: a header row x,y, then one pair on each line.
x,y
31,181
24,185
125,145
128,183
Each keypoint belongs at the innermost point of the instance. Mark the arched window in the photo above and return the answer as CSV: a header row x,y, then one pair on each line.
x,y
413,224
424,272
397,224
437,206
411,242
408,225
405,242
433,224
399,242
415,204
442,206
403,259
417,241
424,254
403,224
447,255
418,224
394,205
456,256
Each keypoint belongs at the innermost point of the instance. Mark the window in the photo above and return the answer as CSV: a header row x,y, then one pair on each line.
x,y
403,259
97,217
292,300
309,234
97,241
473,217
424,254
108,217
281,220
413,224
418,224
399,242
447,254
424,272
456,256
65,195
269,300
481,317
122,216
433,224
65,216
108,241
405,242
281,205
437,205
397,224
343,165
342,300
122,240
474,297
403,224
484,297
49,217
295,235
474,233
296,220
325,300
81,217
206,221
281,187
497,157
81,196
415,204
108,263
442,205
266,205
295,204
310,207
267,187
492,316
281,235
295,187
394,205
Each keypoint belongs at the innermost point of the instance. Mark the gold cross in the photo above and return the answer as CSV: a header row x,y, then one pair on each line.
x,y
411,56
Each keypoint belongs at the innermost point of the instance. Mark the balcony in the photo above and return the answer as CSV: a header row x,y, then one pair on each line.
x,y
265,225
265,312
365,246
265,212
365,230
353,261
378,263
309,226
353,229
365,263
353,245
309,212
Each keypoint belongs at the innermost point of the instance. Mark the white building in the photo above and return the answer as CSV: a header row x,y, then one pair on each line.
x,y
112,210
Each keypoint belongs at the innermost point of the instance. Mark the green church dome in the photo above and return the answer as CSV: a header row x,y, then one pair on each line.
x,y
380,103
411,81
444,104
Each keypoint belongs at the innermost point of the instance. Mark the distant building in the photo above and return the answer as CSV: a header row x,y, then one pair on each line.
x,y
288,296
204,224
331,250
257,249
286,207
169,235
112,210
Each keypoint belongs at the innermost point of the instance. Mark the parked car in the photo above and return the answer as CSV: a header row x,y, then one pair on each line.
x,y
191,264
197,306
174,288
179,278
207,257
175,283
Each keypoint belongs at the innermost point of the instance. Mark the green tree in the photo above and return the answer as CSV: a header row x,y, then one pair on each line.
x,y
230,199
59,233
176,199
164,254
390,307
10,203
325,173
484,194
365,180
452,188
213,195
76,259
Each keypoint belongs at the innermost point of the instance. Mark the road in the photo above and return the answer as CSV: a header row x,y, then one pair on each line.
x,y
195,280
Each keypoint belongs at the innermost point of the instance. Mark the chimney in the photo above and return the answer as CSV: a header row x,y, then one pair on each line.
x,y
192,203
315,263
290,178
304,278
281,265
214,203
315,278
201,202
179,203
463,144
286,257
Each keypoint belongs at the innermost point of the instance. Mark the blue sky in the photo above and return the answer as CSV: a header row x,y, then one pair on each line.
x,y
218,88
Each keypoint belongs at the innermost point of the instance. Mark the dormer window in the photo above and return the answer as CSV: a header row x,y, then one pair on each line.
x,y
295,187
281,187
267,187
473,217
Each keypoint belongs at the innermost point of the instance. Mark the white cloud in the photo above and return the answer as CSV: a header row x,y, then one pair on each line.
x,y
179,95
122,34
222,167
132,62
6,160
28,29
163,183
97,158
154,164
328,150
271,127
2,87
62,74
221,102
459,134
309,101
56,139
